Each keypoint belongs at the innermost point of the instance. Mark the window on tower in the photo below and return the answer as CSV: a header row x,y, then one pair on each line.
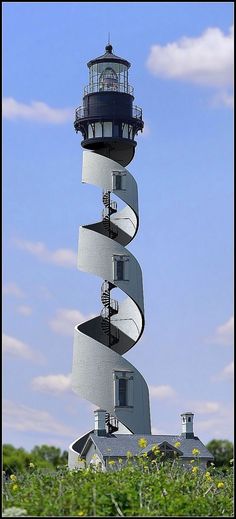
x,y
122,392
108,80
120,267
123,388
118,180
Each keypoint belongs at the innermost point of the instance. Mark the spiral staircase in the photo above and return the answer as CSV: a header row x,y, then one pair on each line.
x,y
101,342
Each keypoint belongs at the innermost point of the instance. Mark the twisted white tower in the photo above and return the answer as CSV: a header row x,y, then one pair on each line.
x,y
100,373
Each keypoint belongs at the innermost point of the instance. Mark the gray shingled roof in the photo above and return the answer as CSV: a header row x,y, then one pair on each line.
x,y
118,444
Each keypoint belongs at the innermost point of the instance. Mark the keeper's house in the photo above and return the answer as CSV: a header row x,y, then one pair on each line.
x,y
101,446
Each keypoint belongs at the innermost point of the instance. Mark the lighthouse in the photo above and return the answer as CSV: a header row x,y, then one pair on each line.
x,y
109,122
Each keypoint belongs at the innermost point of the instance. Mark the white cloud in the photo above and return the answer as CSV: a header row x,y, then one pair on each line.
x,y
223,98
228,371
24,310
66,319
209,424
161,392
59,257
203,407
36,111
24,418
220,426
12,289
224,333
207,59
226,374
204,60
18,348
56,384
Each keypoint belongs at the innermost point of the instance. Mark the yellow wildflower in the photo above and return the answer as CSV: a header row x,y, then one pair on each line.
x,y
13,477
129,454
144,455
208,476
220,484
155,447
155,450
194,470
80,513
177,444
31,465
120,460
142,443
15,487
195,452
192,461
111,462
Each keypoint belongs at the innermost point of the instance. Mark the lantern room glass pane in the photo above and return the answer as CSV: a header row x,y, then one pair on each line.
x,y
101,74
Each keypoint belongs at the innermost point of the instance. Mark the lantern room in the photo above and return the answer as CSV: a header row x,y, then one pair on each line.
x,y
107,119
108,73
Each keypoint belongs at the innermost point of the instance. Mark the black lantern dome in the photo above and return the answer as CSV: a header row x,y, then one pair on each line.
x,y
107,119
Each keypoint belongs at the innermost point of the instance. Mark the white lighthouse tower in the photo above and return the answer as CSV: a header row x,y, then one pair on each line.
x,y
109,122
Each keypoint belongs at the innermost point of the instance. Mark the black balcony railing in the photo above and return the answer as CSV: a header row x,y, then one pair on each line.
x,y
81,113
115,87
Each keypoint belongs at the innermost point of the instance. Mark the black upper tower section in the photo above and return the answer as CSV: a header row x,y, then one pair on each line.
x,y
107,119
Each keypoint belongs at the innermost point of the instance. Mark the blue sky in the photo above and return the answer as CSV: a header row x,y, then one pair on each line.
x,y
181,55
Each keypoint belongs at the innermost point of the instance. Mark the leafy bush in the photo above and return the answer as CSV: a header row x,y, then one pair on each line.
x,y
222,450
147,488
18,460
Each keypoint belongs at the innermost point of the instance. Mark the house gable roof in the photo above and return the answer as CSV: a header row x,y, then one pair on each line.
x,y
117,445
162,446
91,440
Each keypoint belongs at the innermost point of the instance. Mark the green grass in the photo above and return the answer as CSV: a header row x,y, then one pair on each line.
x,y
147,489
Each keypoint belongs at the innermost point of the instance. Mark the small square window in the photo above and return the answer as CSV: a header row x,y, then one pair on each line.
x,y
118,181
123,388
120,268
122,392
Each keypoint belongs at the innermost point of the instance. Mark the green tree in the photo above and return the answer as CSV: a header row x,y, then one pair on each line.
x,y
44,456
222,450
14,460
47,456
